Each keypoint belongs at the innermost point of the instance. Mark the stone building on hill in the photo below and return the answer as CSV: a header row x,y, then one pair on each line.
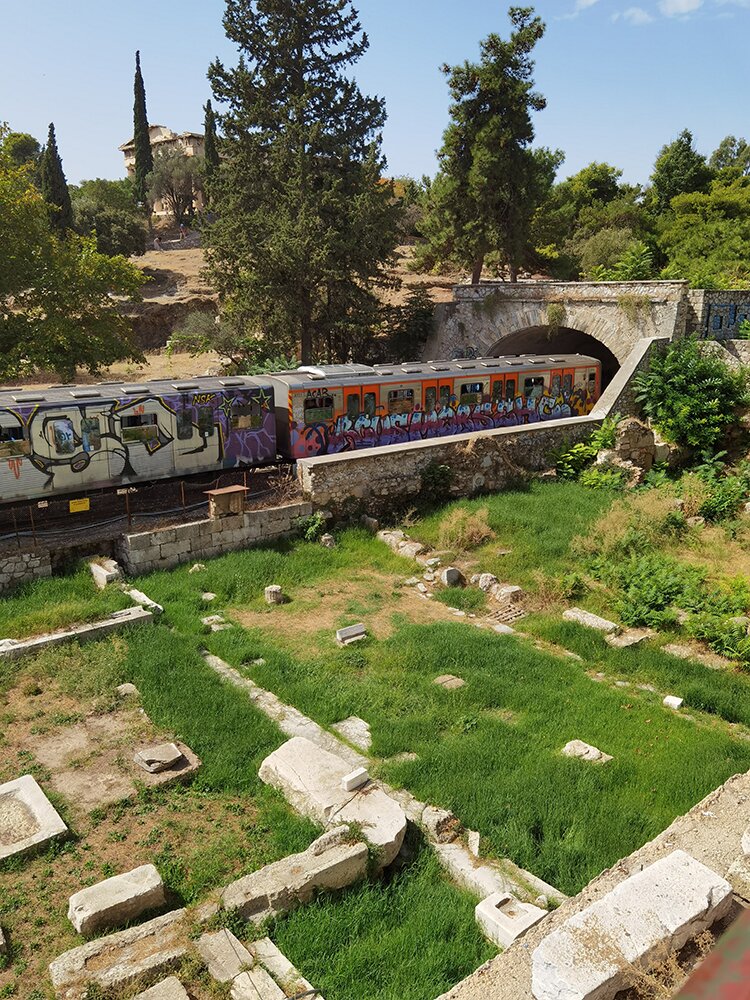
x,y
162,140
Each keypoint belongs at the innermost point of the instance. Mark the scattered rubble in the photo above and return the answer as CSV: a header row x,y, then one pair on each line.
x,y
584,751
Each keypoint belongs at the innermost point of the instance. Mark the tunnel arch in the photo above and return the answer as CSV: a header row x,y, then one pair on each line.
x,y
563,340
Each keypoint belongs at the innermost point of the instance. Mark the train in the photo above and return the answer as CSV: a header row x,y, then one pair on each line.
x,y
70,439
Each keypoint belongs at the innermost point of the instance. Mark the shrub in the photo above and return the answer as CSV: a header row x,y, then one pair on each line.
x,y
726,636
463,530
572,462
436,483
690,394
313,527
602,479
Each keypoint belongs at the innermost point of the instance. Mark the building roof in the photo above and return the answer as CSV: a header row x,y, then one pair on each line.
x,y
162,138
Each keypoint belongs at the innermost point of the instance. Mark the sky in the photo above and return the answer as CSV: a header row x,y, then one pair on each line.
x,y
621,78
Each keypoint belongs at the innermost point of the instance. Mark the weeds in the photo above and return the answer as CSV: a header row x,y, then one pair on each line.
x,y
463,530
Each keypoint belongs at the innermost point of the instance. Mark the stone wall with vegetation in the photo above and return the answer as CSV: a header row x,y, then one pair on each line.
x,y
718,315
164,549
19,567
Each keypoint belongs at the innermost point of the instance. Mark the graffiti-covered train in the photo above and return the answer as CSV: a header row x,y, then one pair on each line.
x,y
70,439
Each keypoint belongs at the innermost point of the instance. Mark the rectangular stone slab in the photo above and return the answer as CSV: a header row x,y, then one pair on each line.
x,y
224,955
352,633
658,909
28,820
119,959
167,989
589,620
117,900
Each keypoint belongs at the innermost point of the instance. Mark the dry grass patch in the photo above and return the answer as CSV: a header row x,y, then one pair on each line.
x,y
463,530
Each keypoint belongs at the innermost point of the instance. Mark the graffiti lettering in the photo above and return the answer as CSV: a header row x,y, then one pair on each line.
x,y
14,464
201,398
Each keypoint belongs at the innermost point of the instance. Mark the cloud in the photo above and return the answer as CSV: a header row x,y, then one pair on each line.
x,y
584,5
634,15
677,8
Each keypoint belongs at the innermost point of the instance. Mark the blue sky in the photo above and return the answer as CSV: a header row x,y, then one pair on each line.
x,y
621,77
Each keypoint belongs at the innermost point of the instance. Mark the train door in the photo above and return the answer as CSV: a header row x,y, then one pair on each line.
x,y
94,458
445,396
368,427
352,415
555,382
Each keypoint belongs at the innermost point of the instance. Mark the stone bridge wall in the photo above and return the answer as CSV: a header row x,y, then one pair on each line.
x,y
717,315
617,314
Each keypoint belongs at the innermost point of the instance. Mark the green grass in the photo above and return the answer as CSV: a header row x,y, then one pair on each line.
x,y
537,524
467,599
412,938
55,603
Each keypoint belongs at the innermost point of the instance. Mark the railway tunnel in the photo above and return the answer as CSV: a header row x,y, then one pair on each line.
x,y
563,340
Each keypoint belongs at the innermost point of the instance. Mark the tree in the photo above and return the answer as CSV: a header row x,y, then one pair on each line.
x,y
175,180
22,148
106,210
679,169
54,186
144,160
491,181
211,149
731,156
56,308
304,224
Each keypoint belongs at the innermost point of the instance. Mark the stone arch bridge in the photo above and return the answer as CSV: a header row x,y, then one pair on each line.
x,y
603,319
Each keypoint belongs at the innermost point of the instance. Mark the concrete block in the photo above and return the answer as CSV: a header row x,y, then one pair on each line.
x,y
350,634
355,779
273,594
224,955
659,908
167,989
503,919
28,819
310,778
117,900
115,961
672,701
590,621
105,572
451,577
256,984
284,885
158,758
584,751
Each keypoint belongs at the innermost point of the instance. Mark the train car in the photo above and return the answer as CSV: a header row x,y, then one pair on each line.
x,y
338,408
69,439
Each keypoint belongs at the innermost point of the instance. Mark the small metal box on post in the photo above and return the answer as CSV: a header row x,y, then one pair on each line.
x,y
229,500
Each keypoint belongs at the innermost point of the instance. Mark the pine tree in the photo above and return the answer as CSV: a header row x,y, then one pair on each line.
x,y
144,160
304,221
490,180
211,151
54,186
679,169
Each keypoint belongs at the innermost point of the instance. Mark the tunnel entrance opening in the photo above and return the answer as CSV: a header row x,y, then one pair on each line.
x,y
564,340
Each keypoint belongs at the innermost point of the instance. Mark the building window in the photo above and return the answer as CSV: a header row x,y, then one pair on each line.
x,y
91,434
62,436
471,393
140,427
13,442
318,409
400,400
247,416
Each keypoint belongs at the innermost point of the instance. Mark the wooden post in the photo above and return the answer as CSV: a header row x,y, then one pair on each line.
x,y
33,526
182,492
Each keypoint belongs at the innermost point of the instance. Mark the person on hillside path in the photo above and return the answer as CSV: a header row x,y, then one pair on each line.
x,y
183,231
157,243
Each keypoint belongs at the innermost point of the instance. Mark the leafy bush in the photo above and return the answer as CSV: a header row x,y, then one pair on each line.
x,y
116,230
727,636
572,462
602,479
313,527
436,482
690,394
463,530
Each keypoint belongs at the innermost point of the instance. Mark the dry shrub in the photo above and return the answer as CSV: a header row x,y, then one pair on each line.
x,y
463,530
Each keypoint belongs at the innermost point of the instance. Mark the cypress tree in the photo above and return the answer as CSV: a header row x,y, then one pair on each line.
x,y
144,160
54,186
210,148
304,223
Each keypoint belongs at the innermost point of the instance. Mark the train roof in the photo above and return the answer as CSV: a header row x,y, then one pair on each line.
x,y
57,394
334,375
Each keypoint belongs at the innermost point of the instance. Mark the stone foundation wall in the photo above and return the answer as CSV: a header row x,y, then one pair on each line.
x,y
153,550
717,315
20,567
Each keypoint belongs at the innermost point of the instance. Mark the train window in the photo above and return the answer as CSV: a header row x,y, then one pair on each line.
x,y
246,416
62,435
400,400
533,387
510,389
184,425
556,385
471,392
140,427
592,378
352,405
13,442
430,398
206,421
497,390
371,404
91,434
445,395
567,382
318,409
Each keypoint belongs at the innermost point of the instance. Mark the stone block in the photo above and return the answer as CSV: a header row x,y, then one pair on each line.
x,y
328,541
282,970
486,581
352,633
451,577
355,779
657,910
81,633
310,778
506,593
738,877
440,825
503,629
210,620
256,984
449,682
158,758
145,602
127,691
410,550
115,961
117,900
355,730
503,919
167,989
590,621
630,637
224,955
208,597
672,701
370,523
28,819
284,885
584,751
273,594
105,572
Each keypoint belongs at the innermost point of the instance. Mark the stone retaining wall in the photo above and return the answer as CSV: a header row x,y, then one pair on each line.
x,y
153,550
20,567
